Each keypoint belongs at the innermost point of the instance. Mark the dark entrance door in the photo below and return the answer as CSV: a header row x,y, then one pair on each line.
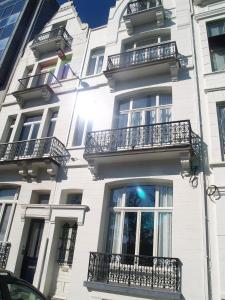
x,y
32,250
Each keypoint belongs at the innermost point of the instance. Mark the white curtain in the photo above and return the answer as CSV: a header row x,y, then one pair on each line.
x,y
216,28
113,245
165,196
165,234
218,58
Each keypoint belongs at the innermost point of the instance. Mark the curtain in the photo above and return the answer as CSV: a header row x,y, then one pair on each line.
x,y
216,28
218,59
165,196
165,234
113,242
222,125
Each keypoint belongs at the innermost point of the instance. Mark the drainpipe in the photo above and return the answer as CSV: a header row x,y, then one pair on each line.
x,y
24,44
206,217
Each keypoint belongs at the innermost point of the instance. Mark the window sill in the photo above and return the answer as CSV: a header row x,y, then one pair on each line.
x,y
132,291
93,76
214,72
76,147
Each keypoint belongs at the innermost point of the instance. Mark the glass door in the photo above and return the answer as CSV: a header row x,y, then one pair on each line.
x,y
28,136
32,250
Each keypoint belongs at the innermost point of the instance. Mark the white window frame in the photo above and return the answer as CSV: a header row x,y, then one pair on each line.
x,y
86,124
13,203
97,56
157,108
156,210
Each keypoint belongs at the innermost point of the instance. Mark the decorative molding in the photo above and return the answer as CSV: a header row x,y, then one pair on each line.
x,y
128,24
160,17
185,161
93,169
52,169
174,71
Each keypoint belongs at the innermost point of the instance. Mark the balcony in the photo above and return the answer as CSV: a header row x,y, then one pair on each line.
x,y
149,142
4,254
144,275
50,41
36,87
30,156
143,12
143,62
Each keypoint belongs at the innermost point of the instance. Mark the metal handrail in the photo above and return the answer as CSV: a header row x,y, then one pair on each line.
x,y
141,5
38,76
55,33
152,53
4,253
176,133
49,147
136,270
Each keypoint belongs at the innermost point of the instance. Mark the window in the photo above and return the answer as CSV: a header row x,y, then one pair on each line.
x,y
30,127
7,207
96,61
10,127
145,110
52,123
18,291
216,39
67,244
140,221
74,198
82,127
221,119
43,198
65,69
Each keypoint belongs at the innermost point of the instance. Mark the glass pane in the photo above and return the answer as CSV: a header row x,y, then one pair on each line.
x,y
51,128
18,291
113,233
4,221
3,42
147,234
165,99
35,131
125,105
117,196
122,122
31,119
136,119
91,66
216,28
43,198
150,117
129,233
13,18
165,233
165,196
8,194
144,102
100,63
25,132
218,59
79,131
165,115
222,126
140,196
74,199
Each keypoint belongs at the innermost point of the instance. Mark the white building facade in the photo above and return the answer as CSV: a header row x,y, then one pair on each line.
x,y
103,171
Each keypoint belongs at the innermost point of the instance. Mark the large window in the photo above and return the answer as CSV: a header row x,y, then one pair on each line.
x,y
140,220
9,14
96,61
8,198
221,118
216,38
82,127
145,110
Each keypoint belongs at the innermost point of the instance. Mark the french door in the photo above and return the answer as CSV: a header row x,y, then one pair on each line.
x,y
28,135
137,116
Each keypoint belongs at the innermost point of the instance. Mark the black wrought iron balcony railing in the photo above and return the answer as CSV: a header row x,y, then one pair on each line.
x,y
38,80
158,135
141,5
140,56
4,254
135,270
44,148
57,33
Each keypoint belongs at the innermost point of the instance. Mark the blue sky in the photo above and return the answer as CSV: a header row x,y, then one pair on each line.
x,y
93,12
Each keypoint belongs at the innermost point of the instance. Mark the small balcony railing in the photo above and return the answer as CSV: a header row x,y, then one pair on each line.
x,y
141,5
141,56
57,33
4,254
45,148
160,135
38,80
135,270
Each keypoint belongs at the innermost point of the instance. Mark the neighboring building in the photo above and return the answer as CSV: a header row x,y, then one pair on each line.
x,y
19,21
209,42
102,178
